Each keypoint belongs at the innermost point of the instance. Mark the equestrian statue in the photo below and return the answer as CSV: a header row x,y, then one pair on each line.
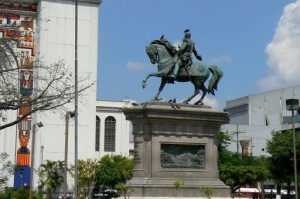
x,y
177,65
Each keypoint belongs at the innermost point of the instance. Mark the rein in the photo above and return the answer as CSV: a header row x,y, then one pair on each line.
x,y
164,63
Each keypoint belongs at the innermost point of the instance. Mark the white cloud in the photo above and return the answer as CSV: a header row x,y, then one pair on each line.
x,y
284,50
212,102
270,82
132,65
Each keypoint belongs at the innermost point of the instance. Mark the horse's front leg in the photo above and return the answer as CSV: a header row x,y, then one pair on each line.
x,y
156,74
161,87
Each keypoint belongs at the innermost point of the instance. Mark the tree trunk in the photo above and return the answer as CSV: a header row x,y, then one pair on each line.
x,y
289,189
278,193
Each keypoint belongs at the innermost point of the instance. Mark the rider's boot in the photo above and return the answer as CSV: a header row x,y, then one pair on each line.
x,y
175,72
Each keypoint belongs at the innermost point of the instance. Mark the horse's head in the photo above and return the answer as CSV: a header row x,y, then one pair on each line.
x,y
151,52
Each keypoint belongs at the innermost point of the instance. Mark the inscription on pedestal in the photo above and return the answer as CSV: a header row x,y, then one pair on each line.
x,y
182,156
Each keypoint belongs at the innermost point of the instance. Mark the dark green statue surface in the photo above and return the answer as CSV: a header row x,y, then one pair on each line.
x,y
177,65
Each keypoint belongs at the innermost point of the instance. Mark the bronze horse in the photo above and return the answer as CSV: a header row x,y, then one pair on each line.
x,y
197,73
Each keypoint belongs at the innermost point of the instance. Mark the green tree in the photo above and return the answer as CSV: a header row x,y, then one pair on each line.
x,y
282,162
51,174
6,169
113,170
19,194
236,176
237,170
207,191
86,177
123,189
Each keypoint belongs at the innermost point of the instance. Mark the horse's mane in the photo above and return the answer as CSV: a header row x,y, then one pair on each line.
x,y
157,41
166,44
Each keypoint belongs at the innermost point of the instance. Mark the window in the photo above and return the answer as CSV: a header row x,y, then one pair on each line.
x,y
97,135
110,134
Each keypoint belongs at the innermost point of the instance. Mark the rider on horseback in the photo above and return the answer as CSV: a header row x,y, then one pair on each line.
x,y
185,54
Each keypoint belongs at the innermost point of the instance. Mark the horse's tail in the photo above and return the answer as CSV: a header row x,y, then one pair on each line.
x,y
217,74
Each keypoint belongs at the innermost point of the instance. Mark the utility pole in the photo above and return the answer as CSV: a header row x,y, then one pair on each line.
x,y
76,100
67,118
40,124
32,160
66,155
295,155
293,105
251,147
237,139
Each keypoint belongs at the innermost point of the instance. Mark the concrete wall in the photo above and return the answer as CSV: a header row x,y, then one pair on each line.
x,y
263,115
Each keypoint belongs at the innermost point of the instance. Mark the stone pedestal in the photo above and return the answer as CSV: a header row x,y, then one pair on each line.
x,y
175,142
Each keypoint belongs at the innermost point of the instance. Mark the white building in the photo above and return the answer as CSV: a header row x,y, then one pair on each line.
x,y
113,131
56,41
256,116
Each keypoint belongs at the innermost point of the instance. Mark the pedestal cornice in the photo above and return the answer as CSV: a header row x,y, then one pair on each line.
x,y
183,112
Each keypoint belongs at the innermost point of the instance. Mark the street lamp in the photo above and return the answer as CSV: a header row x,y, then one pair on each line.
x,y
40,124
67,116
293,105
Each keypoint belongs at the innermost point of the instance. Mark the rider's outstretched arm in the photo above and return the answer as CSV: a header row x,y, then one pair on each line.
x,y
198,56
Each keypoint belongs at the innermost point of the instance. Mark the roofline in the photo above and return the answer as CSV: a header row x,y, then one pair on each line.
x,y
106,100
84,1
36,1
261,93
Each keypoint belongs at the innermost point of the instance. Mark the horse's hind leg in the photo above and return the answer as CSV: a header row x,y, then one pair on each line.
x,y
204,91
196,92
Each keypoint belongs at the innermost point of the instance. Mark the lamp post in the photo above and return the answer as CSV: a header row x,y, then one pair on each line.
x,y
293,105
68,115
40,124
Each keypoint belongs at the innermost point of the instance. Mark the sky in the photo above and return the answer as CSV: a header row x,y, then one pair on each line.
x,y
255,42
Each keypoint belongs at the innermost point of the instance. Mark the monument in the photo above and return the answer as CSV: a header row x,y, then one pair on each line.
x,y
175,144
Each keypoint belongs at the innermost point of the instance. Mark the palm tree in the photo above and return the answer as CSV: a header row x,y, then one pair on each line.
x,y
86,177
51,175
123,188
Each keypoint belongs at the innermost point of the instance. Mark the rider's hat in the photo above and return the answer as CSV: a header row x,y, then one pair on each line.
x,y
187,30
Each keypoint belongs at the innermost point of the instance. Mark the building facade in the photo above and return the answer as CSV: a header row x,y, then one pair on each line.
x,y
112,135
113,132
44,30
253,118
